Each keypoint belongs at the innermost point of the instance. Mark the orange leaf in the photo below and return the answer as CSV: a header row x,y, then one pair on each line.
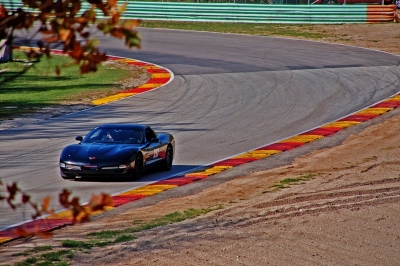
x,y
20,231
51,39
98,202
112,2
130,24
115,18
45,204
81,20
64,34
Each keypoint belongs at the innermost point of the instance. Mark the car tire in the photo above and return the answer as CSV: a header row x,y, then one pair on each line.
x,y
169,156
137,172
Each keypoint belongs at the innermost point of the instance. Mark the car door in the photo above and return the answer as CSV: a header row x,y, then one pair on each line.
x,y
152,150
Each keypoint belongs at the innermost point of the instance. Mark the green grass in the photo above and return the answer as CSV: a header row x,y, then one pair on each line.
x,y
108,237
285,183
171,218
33,250
285,30
76,244
58,258
40,86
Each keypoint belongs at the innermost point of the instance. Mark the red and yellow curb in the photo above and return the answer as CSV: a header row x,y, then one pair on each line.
x,y
160,76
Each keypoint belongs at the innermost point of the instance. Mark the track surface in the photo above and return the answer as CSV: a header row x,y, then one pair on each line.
x,y
231,93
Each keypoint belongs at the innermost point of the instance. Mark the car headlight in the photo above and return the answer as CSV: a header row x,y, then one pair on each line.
x,y
70,166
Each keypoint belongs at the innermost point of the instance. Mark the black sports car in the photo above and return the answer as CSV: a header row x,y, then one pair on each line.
x,y
113,150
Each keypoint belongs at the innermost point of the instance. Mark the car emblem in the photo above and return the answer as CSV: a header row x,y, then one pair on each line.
x,y
92,158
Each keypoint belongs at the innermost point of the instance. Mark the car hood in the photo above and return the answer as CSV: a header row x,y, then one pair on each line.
x,y
99,153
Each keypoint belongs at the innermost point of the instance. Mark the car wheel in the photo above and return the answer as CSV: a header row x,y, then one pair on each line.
x,y
138,170
167,164
329,2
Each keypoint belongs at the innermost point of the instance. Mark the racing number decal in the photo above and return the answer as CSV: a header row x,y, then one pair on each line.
x,y
156,152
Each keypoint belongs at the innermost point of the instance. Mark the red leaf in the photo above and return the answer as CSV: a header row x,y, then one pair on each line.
x,y
117,32
63,198
25,198
3,12
12,190
77,52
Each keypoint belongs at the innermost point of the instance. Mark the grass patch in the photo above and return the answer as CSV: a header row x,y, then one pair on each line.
x,y
285,183
174,217
86,245
108,237
76,244
33,251
40,87
171,218
58,258
305,31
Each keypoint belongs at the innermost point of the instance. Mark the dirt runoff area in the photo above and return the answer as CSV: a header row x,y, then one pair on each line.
x,y
347,213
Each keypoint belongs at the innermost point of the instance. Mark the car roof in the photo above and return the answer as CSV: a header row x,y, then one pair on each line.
x,y
124,126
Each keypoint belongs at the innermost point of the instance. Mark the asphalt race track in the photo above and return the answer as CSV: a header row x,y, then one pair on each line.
x,y
231,94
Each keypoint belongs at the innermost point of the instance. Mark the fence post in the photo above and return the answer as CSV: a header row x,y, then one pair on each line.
x,y
5,51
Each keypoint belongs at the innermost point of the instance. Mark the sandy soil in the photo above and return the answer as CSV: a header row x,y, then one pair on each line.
x,y
347,214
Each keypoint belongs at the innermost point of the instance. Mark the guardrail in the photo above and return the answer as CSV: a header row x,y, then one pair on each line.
x,y
253,13
258,13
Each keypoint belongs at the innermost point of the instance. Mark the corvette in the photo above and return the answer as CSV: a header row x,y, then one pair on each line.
x,y
117,150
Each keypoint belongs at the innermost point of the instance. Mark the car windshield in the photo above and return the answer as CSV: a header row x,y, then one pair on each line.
x,y
114,135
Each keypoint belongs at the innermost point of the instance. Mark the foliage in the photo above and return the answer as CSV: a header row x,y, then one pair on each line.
x,y
16,198
64,23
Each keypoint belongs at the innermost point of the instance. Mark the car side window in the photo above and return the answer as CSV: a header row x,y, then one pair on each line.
x,y
150,134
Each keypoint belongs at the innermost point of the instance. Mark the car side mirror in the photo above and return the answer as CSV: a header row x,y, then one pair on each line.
x,y
79,138
154,140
